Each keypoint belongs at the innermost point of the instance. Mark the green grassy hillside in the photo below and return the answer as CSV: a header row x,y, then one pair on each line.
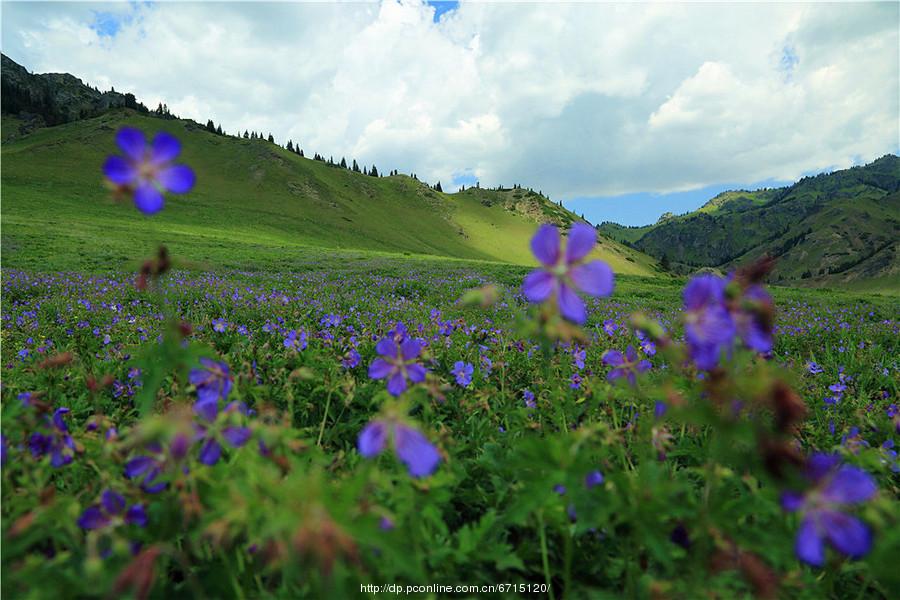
x,y
837,228
255,205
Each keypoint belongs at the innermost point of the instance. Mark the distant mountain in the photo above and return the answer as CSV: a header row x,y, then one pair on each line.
x,y
54,98
256,203
835,228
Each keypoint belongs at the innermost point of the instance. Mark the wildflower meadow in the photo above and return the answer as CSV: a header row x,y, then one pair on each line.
x,y
561,432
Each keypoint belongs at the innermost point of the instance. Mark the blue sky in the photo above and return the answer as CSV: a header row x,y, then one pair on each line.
x,y
588,102
441,7
643,208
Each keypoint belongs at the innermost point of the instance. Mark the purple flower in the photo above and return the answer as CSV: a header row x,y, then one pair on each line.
x,y
528,395
219,325
610,326
463,373
578,358
813,368
419,455
833,486
213,384
53,439
351,359
752,318
111,504
627,365
296,341
211,450
565,273
147,468
708,328
397,364
593,479
146,170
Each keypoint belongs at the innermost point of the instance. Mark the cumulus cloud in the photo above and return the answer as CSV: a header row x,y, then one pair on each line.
x,y
574,99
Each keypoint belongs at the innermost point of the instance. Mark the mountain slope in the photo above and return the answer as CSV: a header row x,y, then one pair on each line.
x,y
255,204
835,228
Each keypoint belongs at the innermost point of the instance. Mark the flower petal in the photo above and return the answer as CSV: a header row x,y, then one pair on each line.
x,y
112,502
148,199
177,179
372,439
538,285
571,306
410,348
380,368
207,406
136,515
396,385
210,452
704,290
594,278
414,449
808,545
119,170
132,142
138,466
613,358
545,244
849,485
165,147
92,518
581,241
416,372
236,436
846,533
387,347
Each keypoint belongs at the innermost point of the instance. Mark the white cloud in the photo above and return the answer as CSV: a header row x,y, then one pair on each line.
x,y
575,99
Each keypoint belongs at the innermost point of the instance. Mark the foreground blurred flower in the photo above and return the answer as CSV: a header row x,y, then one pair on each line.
x,y
146,170
419,455
833,485
564,273
627,365
397,364
709,329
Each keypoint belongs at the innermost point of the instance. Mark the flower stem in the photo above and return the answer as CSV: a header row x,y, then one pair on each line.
x,y
544,560
324,418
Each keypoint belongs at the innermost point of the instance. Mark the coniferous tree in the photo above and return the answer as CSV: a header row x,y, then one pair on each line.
x,y
373,172
271,139
355,167
219,130
246,135
343,163
437,187
290,146
210,126
301,152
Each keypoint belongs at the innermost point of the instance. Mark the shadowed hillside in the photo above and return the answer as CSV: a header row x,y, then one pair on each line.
x,y
835,228
255,204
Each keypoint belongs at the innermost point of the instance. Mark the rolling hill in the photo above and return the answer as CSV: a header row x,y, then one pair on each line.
x,y
836,228
256,204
